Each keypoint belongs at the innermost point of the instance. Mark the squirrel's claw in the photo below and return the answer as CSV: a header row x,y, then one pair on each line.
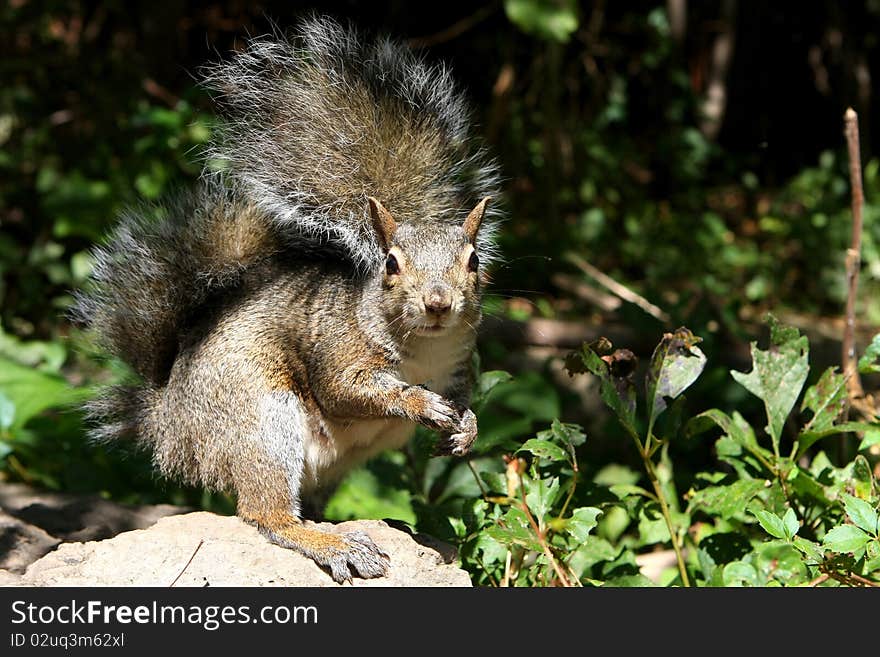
x,y
361,557
440,413
460,442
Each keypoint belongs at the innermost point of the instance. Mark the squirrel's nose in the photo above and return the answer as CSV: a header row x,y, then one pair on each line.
x,y
438,299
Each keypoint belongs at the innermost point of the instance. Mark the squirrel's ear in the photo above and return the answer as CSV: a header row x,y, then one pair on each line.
x,y
475,218
383,222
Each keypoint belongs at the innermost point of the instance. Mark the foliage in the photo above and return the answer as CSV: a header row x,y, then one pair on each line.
x,y
770,514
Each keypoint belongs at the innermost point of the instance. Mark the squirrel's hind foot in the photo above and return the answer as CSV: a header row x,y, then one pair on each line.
x,y
343,555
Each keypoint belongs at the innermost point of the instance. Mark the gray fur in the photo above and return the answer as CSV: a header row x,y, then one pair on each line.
x,y
317,123
161,263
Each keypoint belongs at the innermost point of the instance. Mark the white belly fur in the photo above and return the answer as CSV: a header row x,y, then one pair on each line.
x,y
431,362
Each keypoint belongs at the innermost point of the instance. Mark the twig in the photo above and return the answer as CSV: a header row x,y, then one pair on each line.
x,y
853,260
617,288
156,90
492,580
819,580
606,302
193,556
542,539
483,491
456,29
851,579
667,517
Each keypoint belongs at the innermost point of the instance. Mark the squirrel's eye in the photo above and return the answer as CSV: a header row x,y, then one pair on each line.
x,y
473,262
391,266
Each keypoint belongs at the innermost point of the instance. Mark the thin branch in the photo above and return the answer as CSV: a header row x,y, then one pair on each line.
x,y
455,30
192,556
853,259
606,302
617,288
542,539
667,517
819,580
483,491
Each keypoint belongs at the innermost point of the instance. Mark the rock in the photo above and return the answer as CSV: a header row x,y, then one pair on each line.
x,y
205,549
21,544
71,517
8,578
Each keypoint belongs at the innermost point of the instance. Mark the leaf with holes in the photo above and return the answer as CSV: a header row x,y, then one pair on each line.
x,y
617,392
675,365
778,375
582,522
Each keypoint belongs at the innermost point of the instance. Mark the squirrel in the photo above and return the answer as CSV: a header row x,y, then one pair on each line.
x,y
313,299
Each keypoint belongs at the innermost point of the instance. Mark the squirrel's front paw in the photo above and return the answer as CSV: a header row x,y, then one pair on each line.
x,y
438,413
360,555
460,442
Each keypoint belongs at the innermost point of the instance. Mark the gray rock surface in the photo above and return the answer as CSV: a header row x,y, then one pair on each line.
x,y
204,549
21,543
34,522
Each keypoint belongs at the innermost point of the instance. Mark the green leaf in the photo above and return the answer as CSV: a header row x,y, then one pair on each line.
x,y
540,495
845,538
592,550
625,490
363,495
571,434
726,501
740,573
777,375
870,362
486,382
32,391
807,438
543,449
554,20
862,477
675,365
771,523
582,522
826,400
7,412
811,550
871,438
861,513
629,581
790,524
514,529
736,428
617,392
496,482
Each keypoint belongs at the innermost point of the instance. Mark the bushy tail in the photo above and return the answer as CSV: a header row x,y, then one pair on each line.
x,y
152,273
317,123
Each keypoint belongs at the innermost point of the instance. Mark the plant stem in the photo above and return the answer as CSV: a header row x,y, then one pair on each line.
x,y
853,259
473,470
664,509
646,451
574,481
542,539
